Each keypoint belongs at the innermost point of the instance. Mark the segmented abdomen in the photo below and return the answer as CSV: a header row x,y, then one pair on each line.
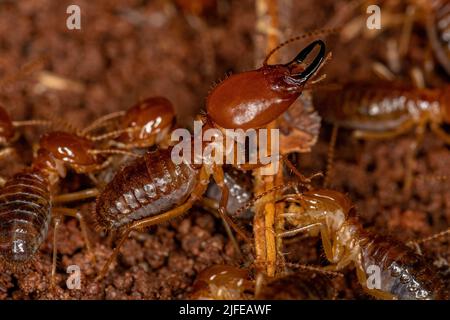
x,y
25,214
404,273
372,107
150,185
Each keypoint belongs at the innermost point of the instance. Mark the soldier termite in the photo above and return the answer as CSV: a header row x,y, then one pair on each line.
x,y
154,189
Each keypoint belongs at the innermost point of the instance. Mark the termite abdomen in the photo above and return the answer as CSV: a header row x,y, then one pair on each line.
x,y
150,185
25,213
404,274
375,107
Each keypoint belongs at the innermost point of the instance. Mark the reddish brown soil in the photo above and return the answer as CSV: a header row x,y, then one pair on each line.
x,y
137,49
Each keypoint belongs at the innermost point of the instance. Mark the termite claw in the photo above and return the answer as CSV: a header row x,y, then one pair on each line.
x,y
315,64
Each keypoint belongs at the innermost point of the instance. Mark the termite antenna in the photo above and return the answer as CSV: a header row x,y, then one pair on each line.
x,y
58,123
112,134
330,157
102,121
250,203
114,151
307,35
316,269
30,123
430,238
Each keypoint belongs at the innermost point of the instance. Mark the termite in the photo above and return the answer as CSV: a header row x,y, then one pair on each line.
x,y
145,124
223,282
385,110
438,30
304,285
26,200
400,272
154,189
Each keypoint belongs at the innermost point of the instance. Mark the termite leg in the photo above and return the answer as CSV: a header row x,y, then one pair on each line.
x,y
437,130
83,226
219,179
102,121
343,261
76,196
57,221
373,135
326,243
160,218
304,180
298,230
212,207
407,30
6,152
411,159
362,279
145,223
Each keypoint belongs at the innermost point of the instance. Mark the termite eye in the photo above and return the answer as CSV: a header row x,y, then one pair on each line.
x,y
303,76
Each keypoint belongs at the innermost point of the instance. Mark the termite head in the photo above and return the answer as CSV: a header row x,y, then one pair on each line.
x,y
152,118
255,98
6,127
221,282
71,149
327,206
44,161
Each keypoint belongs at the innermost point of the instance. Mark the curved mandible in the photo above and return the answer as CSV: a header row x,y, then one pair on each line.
x,y
315,64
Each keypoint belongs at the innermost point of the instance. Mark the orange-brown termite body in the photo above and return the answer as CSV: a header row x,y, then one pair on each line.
x,y
222,282
302,285
384,109
143,125
438,29
401,272
153,118
154,189
26,200
253,99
